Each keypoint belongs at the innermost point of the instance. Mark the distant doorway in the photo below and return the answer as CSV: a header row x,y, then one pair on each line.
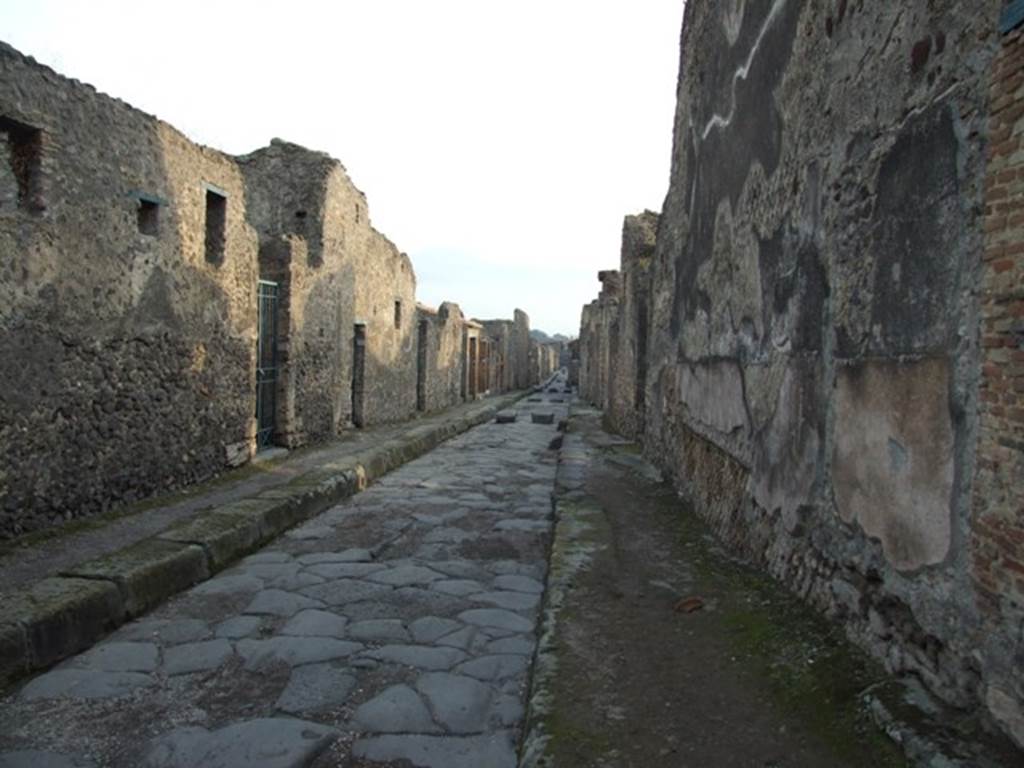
x,y
421,367
473,382
358,374
266,364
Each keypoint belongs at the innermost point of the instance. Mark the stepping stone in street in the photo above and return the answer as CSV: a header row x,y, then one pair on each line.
x,y
398,709
315,623
196,657
266,742
314,687
459,703
505,417
542,418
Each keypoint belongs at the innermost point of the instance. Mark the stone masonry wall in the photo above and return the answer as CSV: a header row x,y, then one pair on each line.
x,y
444,358
128,355
129,264
817,352
627,377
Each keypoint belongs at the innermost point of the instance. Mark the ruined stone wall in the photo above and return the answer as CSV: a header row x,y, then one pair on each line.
x,y
599,342
444,356
627,376
521,376
501,335
304,207
128,351
815,351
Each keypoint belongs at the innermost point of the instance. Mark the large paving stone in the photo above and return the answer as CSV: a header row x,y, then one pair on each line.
x,y
294,651
495,750
458,587
348,556
496,617
266,742
196,657
331,571
419,656
517,583
315,623
383,630
238,627
84,684
459,703
398,709
430,628
344,591
120,657
461,639
277,602
406,576
314,687
227,585
34,758
519,644
515,601
496,667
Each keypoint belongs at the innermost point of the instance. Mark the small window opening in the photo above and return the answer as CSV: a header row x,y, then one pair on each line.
x,y
357,213
300,214
24,149
216,221
149,217
398,314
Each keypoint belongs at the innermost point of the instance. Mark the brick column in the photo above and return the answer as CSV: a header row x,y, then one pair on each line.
x,y
998,490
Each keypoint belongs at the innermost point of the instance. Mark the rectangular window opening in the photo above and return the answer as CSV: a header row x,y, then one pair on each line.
x,y
398,314
216,224
24,150
149,217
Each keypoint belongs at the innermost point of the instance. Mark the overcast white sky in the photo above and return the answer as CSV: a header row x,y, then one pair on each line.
x,y
499,143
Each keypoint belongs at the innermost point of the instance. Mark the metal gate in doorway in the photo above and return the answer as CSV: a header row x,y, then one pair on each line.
x,y
266,364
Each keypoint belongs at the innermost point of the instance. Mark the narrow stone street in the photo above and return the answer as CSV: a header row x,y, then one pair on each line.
x,y
397,626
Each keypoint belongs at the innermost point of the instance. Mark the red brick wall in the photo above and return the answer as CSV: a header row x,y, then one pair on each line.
x,y
998,492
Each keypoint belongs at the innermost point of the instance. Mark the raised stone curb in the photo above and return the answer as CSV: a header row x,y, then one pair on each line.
x,y
63,615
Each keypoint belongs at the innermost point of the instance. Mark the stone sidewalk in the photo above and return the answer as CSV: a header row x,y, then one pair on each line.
x,y
60,594
396,626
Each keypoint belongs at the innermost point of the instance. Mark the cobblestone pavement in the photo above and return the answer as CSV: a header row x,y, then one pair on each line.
x,y
399,625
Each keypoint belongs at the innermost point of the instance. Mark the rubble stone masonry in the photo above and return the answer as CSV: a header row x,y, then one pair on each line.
x,y
833,366
130,261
